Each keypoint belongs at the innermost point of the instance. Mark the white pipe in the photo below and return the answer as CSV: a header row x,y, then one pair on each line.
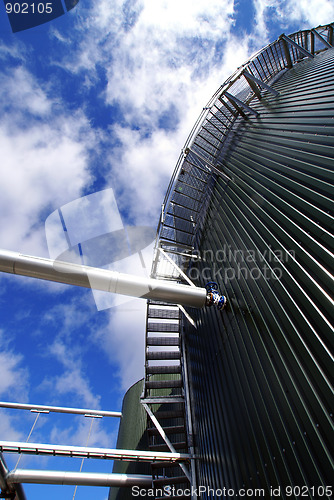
x,y
76,478
101,279
89,452
60,409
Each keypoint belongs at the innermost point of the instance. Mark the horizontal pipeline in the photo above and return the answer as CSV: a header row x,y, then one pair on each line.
x,y
101,279
76,478
90,452
60,409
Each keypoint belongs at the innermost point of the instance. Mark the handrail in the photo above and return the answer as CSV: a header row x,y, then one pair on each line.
x,y
207,139
89,452
60,409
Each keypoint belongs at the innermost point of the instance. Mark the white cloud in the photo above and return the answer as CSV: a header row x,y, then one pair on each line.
x,y
8,427
24,94
307,13
162,58
153,52
162,64
13,49
83,430
13,375
71,383
66,319
68,346
14,385
162,61
312,12
146,167
44,164
74,382
123,340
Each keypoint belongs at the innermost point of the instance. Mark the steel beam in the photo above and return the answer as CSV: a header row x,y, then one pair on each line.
x,y
252,79
238,104
86,452
163,399
3,473
312,42
212,167
7,490
327,44
164,437
253,86
296,46
229,109
330,35
76,478
60,409
179,270
286,52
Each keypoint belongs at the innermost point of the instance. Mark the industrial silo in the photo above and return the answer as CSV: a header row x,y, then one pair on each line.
x,y
250,207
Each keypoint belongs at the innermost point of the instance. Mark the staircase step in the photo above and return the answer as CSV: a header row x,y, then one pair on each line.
x,y
163,447
163,327
163,369
163,384
164,465
163,341
163,313
175,429
160,302
158,355
170,480
160,415
172,399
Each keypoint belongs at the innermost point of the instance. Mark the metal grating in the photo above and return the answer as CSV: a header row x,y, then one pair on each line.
x,y
186,199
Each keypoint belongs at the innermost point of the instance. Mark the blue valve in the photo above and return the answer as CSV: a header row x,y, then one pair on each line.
x,y
213,297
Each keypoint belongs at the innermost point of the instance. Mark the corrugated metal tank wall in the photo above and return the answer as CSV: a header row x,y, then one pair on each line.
x,y
260,371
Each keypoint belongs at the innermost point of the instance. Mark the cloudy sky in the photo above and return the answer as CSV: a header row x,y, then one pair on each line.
x,y
101,98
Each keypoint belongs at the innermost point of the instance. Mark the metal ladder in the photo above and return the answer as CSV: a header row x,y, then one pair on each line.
x,y
164,398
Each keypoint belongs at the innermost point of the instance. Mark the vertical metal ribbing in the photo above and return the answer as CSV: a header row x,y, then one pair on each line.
x,y
261,370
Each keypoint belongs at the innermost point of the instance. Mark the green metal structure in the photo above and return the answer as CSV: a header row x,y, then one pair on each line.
x,y
250,206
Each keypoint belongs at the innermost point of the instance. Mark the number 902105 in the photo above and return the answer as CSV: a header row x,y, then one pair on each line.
x,y
29,8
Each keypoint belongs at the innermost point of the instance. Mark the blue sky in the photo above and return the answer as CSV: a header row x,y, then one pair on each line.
x,y
102,97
